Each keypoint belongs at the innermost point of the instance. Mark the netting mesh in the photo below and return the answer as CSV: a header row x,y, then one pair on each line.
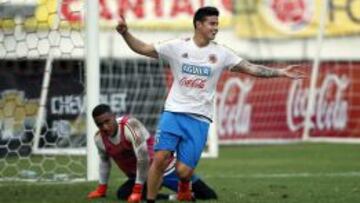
x,y
139,85
31,33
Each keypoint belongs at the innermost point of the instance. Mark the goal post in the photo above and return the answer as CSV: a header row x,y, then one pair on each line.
x,y
92,84
315,71
212,145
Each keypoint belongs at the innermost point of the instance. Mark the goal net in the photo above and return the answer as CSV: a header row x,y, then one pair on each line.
x,y
41,92
43,128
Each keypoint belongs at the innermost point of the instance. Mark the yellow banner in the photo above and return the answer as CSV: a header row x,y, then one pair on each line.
x,y
29,14
295,18
142,14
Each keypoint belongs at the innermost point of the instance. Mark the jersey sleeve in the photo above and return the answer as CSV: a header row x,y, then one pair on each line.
x,y
231,58
104,163
137,134
166,49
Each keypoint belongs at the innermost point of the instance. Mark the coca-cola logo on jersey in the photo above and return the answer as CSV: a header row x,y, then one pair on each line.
x,y
193,82
330,109
233,110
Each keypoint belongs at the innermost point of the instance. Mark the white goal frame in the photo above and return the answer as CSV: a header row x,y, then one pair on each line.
x,y
92,97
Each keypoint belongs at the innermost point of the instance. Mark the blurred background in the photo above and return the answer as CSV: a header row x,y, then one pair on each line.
x,y
44,45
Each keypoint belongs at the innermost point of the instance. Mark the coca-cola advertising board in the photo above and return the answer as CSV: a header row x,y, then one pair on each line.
x,y
256,109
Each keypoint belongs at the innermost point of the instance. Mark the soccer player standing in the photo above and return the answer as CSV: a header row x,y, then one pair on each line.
x,y
196,64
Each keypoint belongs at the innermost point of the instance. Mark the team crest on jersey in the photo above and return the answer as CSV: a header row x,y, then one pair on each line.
x,y
212,58
185,55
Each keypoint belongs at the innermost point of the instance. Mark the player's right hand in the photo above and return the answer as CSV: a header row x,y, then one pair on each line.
x,y
100,191
121,28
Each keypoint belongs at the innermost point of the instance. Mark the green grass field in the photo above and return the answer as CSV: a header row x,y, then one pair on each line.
x,y
296,173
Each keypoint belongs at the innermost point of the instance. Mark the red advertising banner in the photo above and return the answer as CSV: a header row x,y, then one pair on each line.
x,y
155,14
255,109
162,15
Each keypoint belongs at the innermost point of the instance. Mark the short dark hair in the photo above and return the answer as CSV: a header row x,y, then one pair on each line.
x,y
101,109
203,12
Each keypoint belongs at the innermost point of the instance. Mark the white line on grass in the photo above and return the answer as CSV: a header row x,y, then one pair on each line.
x,y
288,175
269,175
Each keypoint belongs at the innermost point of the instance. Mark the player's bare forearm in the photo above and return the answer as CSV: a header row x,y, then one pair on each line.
x,y
135,44
139,46
257,70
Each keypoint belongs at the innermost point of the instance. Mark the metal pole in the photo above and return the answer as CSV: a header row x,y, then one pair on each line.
x,y
92,83
315,71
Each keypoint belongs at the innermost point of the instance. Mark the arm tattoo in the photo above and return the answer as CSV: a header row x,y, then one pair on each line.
x,y
257,70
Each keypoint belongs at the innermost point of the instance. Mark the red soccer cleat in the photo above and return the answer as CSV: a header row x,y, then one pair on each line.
x,y
185,196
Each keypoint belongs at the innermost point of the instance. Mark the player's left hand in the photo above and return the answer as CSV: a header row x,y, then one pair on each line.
x,y
135,196
290,72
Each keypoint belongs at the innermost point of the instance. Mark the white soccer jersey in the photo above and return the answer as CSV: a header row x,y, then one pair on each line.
x,y
196,71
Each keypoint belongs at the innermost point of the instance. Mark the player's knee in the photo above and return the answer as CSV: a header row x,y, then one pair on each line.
x,y
161,160
183,171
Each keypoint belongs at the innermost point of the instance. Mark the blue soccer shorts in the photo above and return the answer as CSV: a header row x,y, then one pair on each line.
x,y
183,134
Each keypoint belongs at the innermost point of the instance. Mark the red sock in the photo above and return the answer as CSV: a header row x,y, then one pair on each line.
x,y
184,191
184,186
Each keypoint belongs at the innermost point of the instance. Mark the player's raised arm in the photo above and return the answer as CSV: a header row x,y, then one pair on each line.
x,y
267,72
135,44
